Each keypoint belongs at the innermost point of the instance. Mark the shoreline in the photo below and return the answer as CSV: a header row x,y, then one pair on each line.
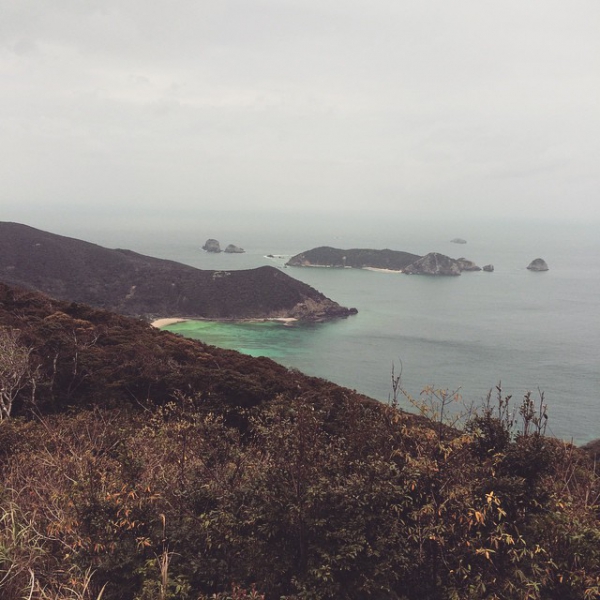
x,y
380,270
167,321
376,269
164,322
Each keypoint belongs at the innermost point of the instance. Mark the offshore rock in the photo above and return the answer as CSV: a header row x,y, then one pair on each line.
x,y
435,264
467,265
488,268
232,249
538,264
212,246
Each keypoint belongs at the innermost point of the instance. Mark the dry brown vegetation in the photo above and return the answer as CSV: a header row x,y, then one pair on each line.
x,y
147,466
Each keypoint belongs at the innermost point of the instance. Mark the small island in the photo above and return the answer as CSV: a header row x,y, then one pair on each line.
x,y
233,249
458,241
212,245
356,258
433,263
538,264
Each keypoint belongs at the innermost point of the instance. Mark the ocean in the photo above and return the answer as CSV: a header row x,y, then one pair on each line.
x,y
526,331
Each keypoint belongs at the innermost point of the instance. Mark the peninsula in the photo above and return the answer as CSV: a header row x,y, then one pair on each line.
x,y
133,284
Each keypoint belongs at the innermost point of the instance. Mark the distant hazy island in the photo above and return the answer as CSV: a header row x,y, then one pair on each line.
x,y
433,263
133,284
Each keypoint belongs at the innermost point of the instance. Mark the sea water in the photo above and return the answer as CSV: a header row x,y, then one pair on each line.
x,y
537,332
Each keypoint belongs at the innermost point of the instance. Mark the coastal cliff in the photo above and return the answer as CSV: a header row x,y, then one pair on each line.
x,y
133,284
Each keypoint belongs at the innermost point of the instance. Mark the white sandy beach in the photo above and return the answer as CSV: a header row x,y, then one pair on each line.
x,y
164,322
170,321
382,270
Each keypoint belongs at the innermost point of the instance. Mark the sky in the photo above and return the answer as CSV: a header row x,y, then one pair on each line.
x,y
116,110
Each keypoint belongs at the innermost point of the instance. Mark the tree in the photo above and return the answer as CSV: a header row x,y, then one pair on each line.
x,y
15,370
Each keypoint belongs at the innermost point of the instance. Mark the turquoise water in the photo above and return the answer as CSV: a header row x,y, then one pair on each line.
x,y
271,339
531,331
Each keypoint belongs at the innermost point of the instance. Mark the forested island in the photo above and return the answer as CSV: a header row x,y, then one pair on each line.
x,y
137,285
357,258
137,464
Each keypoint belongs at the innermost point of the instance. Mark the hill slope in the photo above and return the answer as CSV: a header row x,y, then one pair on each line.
x,y
86,356
134,284
183,471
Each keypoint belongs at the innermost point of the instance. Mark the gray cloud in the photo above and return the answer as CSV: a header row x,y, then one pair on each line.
x,y
422,106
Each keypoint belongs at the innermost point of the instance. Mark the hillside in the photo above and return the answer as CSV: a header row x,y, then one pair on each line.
x,y
325,256
80,353
137,465
134,284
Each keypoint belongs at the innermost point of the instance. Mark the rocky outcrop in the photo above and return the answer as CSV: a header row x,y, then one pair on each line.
x,y
467,265
435,264
458,241
488,268
320,310
212,246
392,260
232,249
538,264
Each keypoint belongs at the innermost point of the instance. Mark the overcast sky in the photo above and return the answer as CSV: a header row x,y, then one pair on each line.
x,y
416,108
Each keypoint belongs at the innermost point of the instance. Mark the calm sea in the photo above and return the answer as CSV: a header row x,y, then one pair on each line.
x,y
536,332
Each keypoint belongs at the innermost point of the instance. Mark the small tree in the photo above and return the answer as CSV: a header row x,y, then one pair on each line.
x,y
15,370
